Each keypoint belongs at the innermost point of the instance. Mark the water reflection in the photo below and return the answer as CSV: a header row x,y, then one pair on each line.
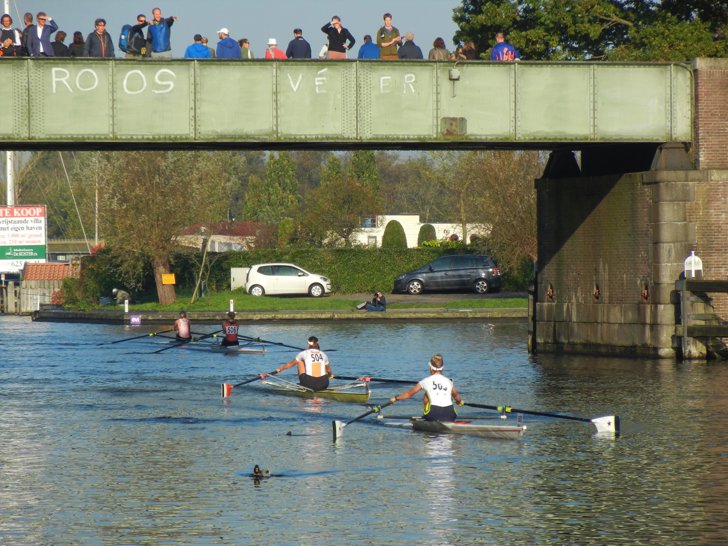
x,y
98,446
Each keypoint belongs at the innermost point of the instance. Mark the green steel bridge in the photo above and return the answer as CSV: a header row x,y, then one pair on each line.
x,y
179,104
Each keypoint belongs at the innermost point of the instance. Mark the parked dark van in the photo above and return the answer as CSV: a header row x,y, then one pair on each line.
x,y
458,272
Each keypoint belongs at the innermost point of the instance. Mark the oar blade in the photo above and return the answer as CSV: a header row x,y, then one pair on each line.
x,y
609,424
338,427
226,390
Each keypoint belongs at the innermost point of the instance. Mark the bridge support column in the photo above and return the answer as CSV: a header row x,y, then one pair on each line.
x,y
610,250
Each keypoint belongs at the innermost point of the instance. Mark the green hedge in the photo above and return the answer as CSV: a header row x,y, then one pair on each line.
x,y
351,270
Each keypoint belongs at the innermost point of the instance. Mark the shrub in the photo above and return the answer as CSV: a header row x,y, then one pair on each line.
x,y
427,233
394,236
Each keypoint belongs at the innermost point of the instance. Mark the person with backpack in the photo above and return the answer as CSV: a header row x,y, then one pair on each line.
x,y
132,41
99,42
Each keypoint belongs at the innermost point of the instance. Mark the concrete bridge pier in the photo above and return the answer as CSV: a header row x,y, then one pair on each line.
x,y
615,224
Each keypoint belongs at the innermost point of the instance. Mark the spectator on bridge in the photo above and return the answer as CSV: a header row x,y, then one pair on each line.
x,y
59,48
28,22
205,43
197,50
503,51
458,55
438,51
160,34
369,49
10,38
99,42
77,45
137,45
273,52
298,48
340,39
388,39
227,48
245,49
39,36
409,50
470,52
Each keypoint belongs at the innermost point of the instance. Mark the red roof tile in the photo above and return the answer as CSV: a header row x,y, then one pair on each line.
x,y
48,272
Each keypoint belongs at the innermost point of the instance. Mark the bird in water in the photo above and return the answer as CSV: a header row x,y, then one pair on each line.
x,y
260,472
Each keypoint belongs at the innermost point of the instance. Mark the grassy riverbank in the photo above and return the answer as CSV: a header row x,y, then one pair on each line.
x,y
217,301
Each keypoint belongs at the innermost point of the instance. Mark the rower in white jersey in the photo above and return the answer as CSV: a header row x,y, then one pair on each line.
x,y
313,365
439,393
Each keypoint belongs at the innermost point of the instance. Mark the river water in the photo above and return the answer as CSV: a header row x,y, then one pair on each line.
x,y
116,445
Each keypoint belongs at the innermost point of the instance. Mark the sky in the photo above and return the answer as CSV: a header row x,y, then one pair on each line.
x,y
257,20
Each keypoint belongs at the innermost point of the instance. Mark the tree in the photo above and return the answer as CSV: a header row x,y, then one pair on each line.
x,y
598,29
149,197
275,197
364,169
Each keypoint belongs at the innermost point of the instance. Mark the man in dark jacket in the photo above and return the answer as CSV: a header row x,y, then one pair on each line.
x,y
39,36
59,48
410,50
99,42
298,48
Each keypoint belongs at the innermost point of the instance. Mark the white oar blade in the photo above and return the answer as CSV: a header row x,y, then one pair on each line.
x,y
338,427
608,424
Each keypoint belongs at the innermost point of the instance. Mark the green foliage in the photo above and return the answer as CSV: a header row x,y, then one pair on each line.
x,y
394,236
276,196
427,233
597,29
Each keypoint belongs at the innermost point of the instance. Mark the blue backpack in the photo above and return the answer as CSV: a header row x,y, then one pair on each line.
x,y
124,38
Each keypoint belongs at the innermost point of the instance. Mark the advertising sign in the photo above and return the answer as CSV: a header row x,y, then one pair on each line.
x,y
22,237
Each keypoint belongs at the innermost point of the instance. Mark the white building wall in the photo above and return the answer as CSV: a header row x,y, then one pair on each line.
x,y
372,236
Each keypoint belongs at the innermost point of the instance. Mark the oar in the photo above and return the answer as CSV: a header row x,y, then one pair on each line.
x,y
226,389
258,340
607,424
338,426
378,379
212,334
136,337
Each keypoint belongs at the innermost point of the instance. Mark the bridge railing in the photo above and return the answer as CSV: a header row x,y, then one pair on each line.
x,y
87,102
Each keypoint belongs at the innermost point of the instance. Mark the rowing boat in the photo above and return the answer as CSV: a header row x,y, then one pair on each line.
x,y
354,392
461,426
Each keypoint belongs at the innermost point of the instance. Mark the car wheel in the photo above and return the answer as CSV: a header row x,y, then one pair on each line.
x,y
316,290
414,287
257,290
482,286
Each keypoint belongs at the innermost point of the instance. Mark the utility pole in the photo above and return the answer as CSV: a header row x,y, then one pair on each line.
x,y
9,156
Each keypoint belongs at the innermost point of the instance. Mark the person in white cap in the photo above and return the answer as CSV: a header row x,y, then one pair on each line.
x,y
227,48
273,52
439,393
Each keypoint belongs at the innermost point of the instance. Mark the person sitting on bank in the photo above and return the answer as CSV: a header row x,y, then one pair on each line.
x,y
230,331
182,328
378,303
314,369
439,393
121,296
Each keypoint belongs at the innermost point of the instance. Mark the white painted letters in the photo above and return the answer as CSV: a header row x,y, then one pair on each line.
x,y
409,79
134,82
167,83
